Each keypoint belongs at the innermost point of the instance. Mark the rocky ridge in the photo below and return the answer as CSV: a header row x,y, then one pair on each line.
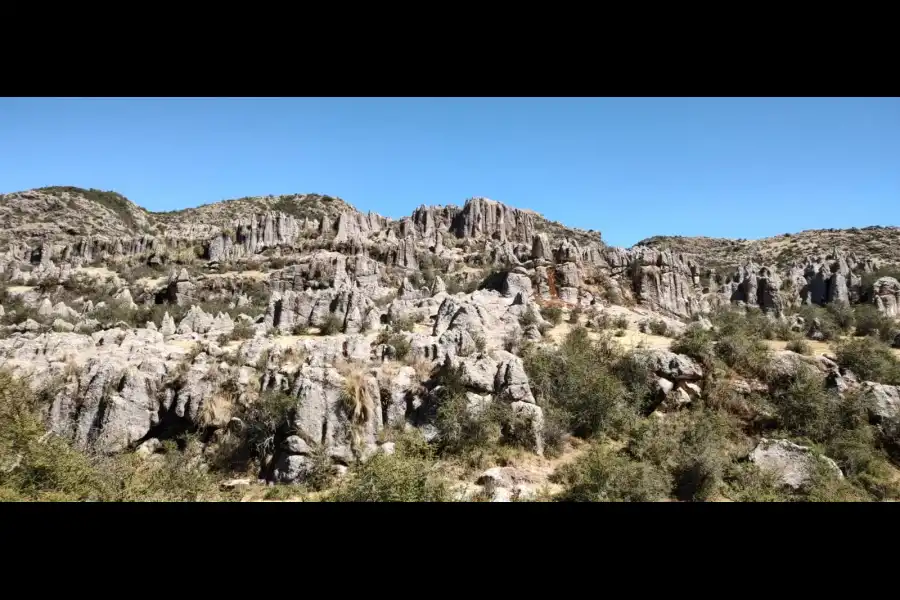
x,y
153,323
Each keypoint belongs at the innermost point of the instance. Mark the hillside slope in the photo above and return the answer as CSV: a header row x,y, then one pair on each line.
x,y
876,242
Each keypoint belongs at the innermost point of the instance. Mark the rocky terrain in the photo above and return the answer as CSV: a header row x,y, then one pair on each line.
x,y
878,243
296,342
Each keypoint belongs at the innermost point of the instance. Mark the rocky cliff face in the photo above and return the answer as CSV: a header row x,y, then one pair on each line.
x,y
148,324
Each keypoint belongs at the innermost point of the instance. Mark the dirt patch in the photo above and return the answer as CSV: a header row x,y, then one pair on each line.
x,y
818,348
19,289
96,271
631,340
255,275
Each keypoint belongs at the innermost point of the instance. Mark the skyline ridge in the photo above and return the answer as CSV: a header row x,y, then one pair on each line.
x,y
601,233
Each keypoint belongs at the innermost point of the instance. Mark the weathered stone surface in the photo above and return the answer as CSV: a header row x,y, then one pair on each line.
x,y
883,401
793,464
516,283
674,367
483,218
887,296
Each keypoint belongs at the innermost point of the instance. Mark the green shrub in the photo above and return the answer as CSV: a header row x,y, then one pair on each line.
x,y
300,329
332,326
602,475
825,486
577,378
746,355
806,408
695,342
868,280
397,341
321,473
748,483
553,314
865,466
869,321
692,447
556,430
842,314
408,475
748,323
827,325
529,317
266,420
658,327
242,331
869,359
460,430
404,324
620,322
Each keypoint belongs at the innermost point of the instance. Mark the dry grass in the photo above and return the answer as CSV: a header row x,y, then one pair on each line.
x,y
357,400
216,410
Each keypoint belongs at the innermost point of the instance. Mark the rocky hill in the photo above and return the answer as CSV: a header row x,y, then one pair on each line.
x,y
299,340
878,243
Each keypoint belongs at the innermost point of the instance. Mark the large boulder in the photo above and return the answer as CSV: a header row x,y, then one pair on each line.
x,y
882,401
887,296
794,465
674,367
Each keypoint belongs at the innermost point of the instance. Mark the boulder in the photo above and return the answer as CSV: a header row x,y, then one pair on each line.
x,y
667,364
793,464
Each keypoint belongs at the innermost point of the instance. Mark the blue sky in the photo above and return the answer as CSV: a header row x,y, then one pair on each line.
x,y
631,168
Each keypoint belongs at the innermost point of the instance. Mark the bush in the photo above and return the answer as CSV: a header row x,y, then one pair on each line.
x,y
658,327
748,483
408,475
242,331
577,379
869,321
691,447
842,314
405,324
332,326
806,408
395,340
695,342
266,421
529,317
553,314
869,359
827,326
602,475
300,329
746,355
461,430
863,464
868,280
621,322
799,346
575,314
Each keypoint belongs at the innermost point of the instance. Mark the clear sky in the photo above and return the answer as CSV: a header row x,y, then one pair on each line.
x,y
631,168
